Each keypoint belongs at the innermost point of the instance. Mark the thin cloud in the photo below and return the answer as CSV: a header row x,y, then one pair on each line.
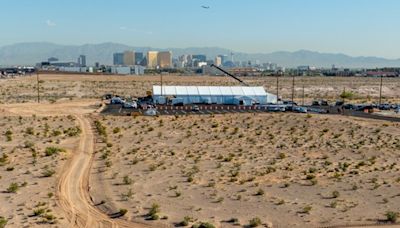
x,y
50,23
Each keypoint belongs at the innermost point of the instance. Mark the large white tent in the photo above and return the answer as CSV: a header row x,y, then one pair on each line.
x,y
229,95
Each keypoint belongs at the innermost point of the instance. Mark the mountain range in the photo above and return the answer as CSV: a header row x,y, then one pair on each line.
x,y
32,53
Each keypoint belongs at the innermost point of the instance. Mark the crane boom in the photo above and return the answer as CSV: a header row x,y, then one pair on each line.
x,y
229,74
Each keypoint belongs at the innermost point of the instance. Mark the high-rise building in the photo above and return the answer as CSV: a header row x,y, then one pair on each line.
x,y
82,60
164,59
152,58
200,58
218,61
129,58
224,58
118,59
138,58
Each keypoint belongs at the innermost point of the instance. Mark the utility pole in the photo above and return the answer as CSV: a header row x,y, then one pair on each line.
x,y
38,85
344,94
380,91
293,91
277,87
303,94
161,85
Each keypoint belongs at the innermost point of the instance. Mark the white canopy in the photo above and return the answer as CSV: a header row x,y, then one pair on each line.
x,y
209,90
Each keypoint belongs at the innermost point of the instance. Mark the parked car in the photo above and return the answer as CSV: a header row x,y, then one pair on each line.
x,y
195,108
151,112
117,100
316,110
320,103
276,108
130,105
315,103
107,96
349,106
384,107
299,109
289,103
397,110
324,103
339,103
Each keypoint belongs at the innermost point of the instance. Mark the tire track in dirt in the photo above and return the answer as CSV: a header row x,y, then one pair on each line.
x,y
72,190
73,186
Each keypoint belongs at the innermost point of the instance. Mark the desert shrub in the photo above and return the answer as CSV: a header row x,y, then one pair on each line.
x,y
307,209
347,95
116,130
13,188
392,216
260,192
108,163
50,151
100,128
49,218
122,211
234,220
56,133
282,156
153,212
254,222
3,159
335,194
127,196
186,220
310,177
8,135
3,222
29,131
47,172
127,180
205,225
73,131
29,144
39,211
313,181
219,200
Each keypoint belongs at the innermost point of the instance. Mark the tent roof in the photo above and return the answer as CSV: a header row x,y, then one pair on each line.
x,y
209,90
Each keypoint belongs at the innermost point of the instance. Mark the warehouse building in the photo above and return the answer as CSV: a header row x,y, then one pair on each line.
x,y
223,95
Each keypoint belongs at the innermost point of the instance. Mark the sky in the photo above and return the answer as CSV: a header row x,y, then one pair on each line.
x,y
353,27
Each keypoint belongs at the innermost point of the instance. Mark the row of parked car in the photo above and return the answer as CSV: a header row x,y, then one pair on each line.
x,y
361,107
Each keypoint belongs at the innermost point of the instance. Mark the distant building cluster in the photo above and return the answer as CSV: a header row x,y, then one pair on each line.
x,y
130,62
152,60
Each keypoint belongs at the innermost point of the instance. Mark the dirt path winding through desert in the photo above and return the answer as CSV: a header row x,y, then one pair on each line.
x,y
72,190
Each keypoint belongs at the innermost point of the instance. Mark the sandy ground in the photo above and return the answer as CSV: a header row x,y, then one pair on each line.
x,y
55,87
286,169
62,199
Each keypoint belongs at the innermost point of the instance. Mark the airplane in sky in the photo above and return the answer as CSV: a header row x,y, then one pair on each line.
x,y
205,7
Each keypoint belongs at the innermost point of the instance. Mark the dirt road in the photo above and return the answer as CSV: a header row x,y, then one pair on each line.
x,y
72,193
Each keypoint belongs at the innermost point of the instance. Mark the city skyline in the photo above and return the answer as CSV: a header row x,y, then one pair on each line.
x,y
355,27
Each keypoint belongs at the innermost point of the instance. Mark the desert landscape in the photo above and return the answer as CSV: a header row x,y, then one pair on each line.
x,y
54,87
64,164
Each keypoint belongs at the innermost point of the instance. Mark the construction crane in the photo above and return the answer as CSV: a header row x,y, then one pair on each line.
x,y
229,74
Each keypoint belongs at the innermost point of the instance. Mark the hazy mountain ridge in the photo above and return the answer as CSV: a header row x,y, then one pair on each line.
x,y
31,53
